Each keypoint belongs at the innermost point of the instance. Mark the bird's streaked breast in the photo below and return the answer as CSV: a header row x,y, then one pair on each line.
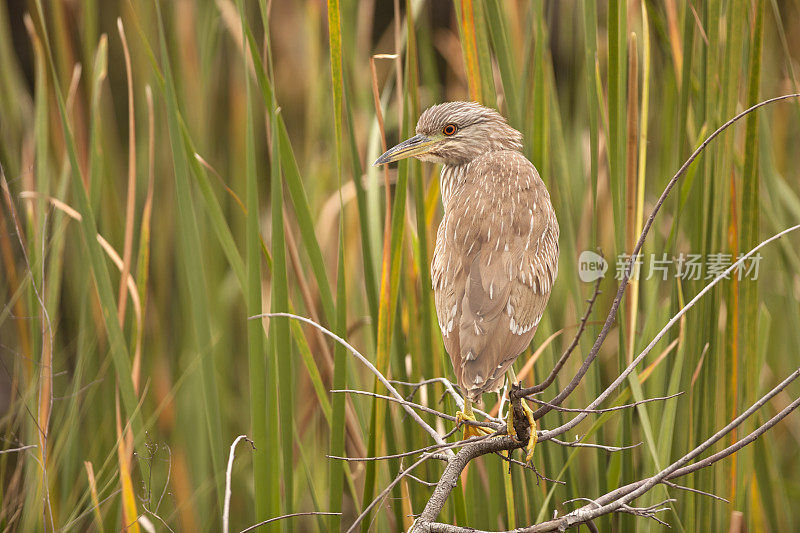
x,y
449,179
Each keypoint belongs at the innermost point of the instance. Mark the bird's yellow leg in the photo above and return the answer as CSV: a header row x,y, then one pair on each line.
x,y
512,377
534,437
468,415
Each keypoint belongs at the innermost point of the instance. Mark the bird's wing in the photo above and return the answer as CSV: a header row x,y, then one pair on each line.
x,y
502,222
447,277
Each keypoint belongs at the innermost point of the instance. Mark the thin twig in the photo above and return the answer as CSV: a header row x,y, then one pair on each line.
x,y
166,481
413,414
164,522
311,513
421,481
733,448
432,447
384,492
528,466
227,505
575,340
90,510
396,400
449,389
22,448
696,491
490,425
607,409
578,444
418,480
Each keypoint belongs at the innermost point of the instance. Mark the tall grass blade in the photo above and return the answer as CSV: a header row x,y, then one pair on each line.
x,y
749,237
266,478
466,14
190,246
336,469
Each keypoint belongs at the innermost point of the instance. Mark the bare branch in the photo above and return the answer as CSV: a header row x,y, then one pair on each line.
x,y
397,400
421,481
606,410
265,522
696,491
625,373
647,512
528,466
449,389
20,449
493,426
578,444
575,340
612,501
627,273
454,468
386,491
733,448
415,478
432,432
615,501
433,447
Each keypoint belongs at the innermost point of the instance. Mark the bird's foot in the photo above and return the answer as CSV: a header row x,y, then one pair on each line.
x,y
511,427
469,429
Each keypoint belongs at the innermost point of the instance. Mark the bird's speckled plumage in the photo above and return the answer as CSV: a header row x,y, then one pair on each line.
x,y
496,255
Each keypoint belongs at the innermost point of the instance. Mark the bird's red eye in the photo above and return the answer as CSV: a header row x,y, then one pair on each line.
x,y
450,129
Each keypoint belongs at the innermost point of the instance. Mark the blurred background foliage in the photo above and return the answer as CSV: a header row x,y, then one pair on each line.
x,y
227,170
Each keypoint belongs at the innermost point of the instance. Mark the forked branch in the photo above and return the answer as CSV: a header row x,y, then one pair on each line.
x,y
635,253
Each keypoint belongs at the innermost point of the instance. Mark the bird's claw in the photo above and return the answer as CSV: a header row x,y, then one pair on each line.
x,y
531,423
470,430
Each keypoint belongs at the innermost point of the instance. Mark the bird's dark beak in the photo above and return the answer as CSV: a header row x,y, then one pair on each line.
x,y
416,145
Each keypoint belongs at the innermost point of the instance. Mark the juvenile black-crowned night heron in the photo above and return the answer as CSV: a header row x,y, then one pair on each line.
x,y
496,254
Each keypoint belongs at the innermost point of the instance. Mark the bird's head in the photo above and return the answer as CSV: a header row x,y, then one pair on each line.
x,y
455,133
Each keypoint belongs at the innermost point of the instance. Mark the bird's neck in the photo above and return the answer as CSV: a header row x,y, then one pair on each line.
x,y
451,177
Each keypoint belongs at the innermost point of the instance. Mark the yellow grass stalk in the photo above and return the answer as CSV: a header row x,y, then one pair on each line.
x,y
124,452
98,518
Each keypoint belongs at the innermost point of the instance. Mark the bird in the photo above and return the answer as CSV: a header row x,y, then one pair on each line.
x,y
496,255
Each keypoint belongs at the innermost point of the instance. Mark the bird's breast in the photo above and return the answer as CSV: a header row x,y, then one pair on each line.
x,y
449,180
496,205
